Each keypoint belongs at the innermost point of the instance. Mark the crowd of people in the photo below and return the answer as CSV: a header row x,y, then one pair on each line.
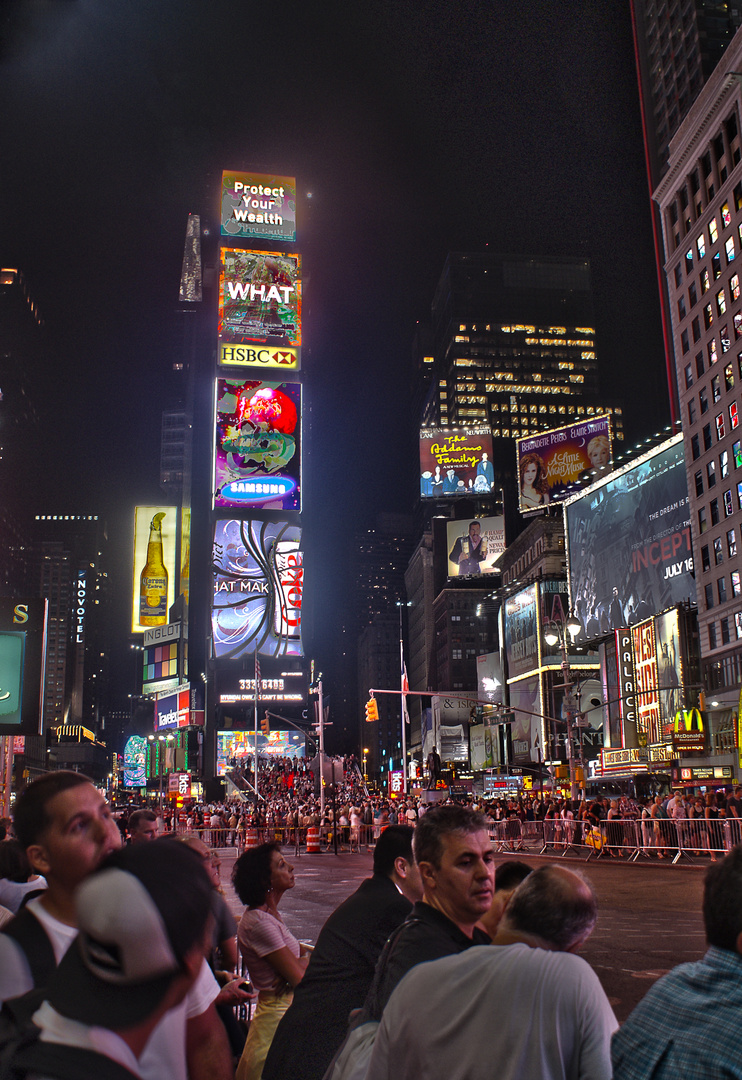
x,y
121,959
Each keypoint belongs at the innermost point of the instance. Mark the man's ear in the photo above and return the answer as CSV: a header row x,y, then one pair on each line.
x,y
427,874
401,866
38,856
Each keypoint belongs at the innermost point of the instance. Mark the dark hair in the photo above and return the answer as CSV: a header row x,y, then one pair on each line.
x,y
394,843
541,483
251,875
554,904
14,864
30,817
509,874
722,909
427,841
175,878
138,817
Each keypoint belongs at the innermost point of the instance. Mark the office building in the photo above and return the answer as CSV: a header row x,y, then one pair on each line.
x,y
700,202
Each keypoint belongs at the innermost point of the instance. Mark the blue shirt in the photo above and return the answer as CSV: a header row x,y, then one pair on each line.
x,y
688,1025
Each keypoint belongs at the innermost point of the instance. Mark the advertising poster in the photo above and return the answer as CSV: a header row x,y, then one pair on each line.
x,y
154,566
455,461
521,632
22,658
474,545
525,701
629,543
135,762
258,589
259,299
238,747
256,204
282,682
552,464
669,669
173,710
489,678
257,454
645,666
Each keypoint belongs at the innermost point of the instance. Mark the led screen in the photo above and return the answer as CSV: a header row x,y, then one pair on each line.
x,y
259,298
258,588
257,456
22,658
255,204
135,759
629,543
474,546
154,568
552,465
239,746
455,461
521,632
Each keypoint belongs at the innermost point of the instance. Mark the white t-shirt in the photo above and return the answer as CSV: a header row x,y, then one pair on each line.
x,y
12,892
164,1055
510,1011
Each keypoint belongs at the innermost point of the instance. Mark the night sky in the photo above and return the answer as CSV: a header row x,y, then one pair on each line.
x,y
418,126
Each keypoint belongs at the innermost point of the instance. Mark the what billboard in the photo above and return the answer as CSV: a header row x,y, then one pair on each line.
x,y
259,305
258,205
258,588
629,543
455,462
552,465
257,452
23,625
154,566
474,546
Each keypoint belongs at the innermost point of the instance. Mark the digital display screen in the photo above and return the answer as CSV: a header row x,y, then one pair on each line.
x,y
258,204
257,452
260,298
154,566
455,462
239,746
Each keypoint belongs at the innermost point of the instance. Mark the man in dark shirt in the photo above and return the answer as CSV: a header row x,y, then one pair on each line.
x,y
342,965
453,851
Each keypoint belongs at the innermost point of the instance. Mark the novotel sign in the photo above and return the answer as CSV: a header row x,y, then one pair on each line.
x,y
80,597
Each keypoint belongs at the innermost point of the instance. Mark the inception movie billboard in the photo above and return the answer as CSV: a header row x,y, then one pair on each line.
x,y
629,543
258,589
474,545
551,463
254,204
257,454
455,461
259,301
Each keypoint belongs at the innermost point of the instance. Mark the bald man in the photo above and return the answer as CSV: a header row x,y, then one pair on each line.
x,y
525,1006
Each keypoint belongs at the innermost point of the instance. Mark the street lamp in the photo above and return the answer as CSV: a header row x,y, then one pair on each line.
x,y
556,633
365,766
404,687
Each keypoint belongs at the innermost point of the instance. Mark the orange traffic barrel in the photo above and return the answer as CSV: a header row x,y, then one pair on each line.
x,y
313,847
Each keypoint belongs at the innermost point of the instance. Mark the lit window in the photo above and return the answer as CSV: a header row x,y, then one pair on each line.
x,y
713,231
734,286
726,342
713,355
728,376
729,248
716,266
728,505
720,432
705,281
708,316
736,587
716,387
718,553
733,415
701,246
723,464
731,544
738,623
710,475
721,302
737,453
689,256
726,217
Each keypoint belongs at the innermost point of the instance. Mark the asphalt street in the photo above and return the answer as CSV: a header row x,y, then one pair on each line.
x,y
649,921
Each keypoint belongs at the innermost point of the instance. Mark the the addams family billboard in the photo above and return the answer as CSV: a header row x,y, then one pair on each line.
x,y
629,543
553,464
455,461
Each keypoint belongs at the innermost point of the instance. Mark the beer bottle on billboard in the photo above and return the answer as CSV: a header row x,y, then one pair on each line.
x,y
153,579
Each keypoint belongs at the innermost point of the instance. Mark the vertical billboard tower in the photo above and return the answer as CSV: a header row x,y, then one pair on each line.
x,y
257,561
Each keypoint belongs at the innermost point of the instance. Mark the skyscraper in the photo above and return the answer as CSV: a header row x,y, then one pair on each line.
x,y
514,347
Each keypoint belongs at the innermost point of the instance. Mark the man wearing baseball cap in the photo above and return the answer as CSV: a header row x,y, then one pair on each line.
x,y
143,921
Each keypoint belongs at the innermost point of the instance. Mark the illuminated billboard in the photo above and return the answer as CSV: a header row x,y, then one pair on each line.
x,y
255,204
629,543
240,745
154,567
552,464
135,760
173,710
455,461
257,453
283,681
22,659
259,300
474,546
258,588
521,632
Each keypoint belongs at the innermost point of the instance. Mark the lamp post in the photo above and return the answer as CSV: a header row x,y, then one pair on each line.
x,y
365,766
404,686
556,633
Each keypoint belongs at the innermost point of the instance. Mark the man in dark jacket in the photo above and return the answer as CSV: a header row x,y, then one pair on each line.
x,y
342,965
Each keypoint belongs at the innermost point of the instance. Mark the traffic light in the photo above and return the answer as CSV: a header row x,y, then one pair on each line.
x,y
265,725
372,710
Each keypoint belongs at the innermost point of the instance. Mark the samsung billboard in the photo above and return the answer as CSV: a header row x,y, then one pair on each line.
x,y
629,543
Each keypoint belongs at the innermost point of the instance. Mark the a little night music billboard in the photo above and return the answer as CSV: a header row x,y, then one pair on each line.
x,y
260,309
552,465
257,456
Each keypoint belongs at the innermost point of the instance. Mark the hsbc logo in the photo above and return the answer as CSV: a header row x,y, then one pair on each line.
x,y
258,356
